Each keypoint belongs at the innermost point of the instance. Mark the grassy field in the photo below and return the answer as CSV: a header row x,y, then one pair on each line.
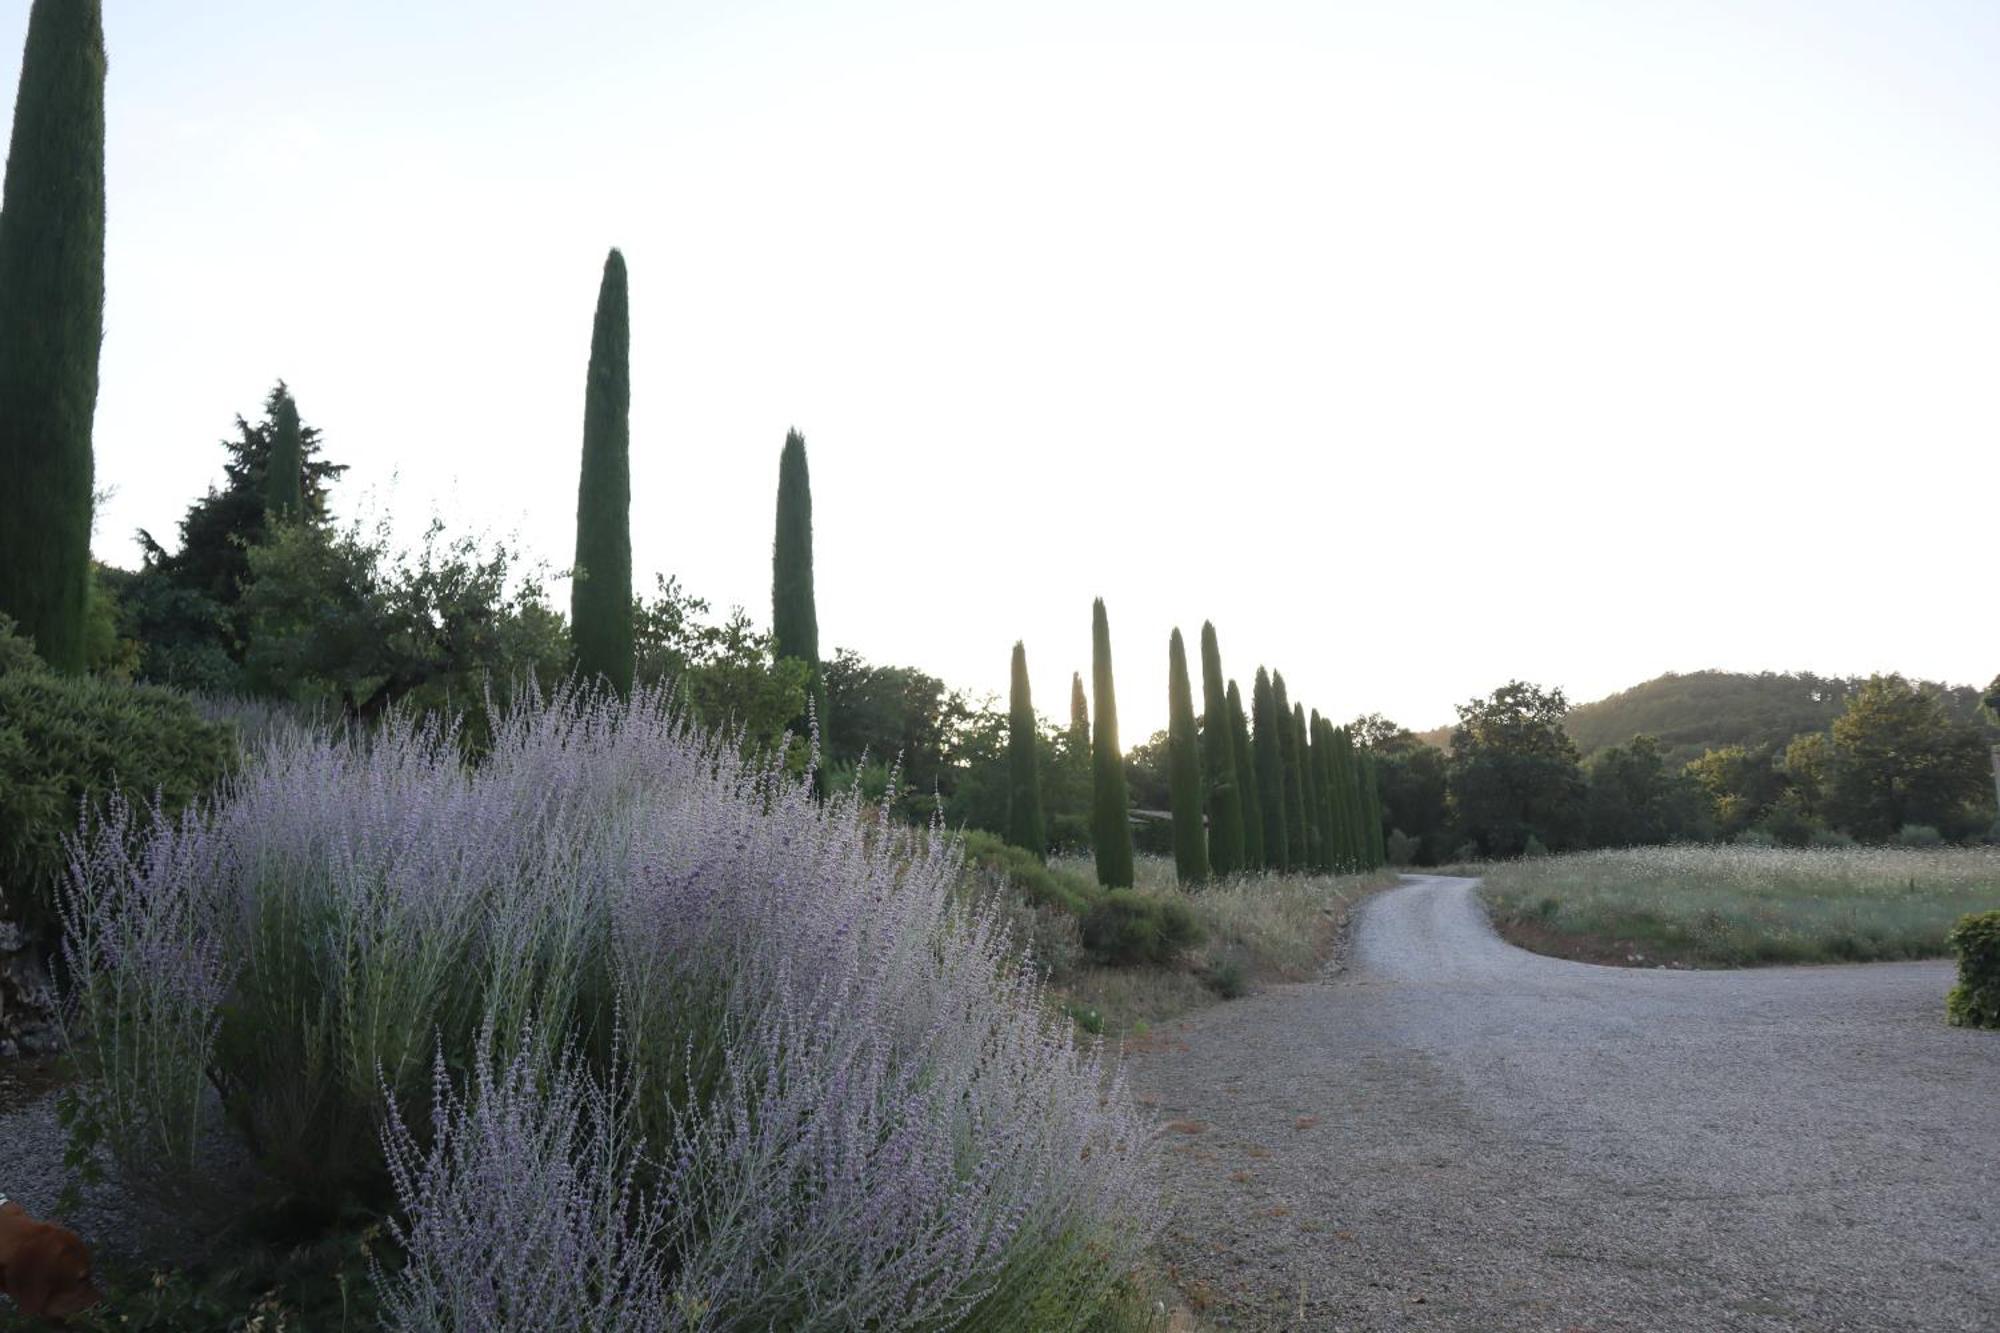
x,y
1257,930
1732,906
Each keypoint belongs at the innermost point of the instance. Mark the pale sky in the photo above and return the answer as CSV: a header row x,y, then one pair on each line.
x,y
1420,345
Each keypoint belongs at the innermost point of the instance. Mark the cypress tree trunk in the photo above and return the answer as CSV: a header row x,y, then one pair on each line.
x,y
1184,769
794,614
1288,750
1270,774
1245,759
1024,783
601,591
284,482
1316,845
52,326
1218,755
1110,823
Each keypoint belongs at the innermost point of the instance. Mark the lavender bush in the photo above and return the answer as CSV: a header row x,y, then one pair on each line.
x,y
860,1110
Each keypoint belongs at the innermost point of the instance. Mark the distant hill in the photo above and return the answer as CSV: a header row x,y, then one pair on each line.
x,y
1707,709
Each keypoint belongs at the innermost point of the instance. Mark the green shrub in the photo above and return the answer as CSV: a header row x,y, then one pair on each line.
x,y
1975,1001
1832,839
66,742
1229,976
1025,872
1919,835
1127,926
1401,848
1533,848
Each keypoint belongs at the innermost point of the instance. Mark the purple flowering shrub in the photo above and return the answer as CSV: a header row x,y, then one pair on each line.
x,y
796,1081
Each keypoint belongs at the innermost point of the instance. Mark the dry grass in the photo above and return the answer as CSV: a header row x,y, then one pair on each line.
x,y
1734,906
1257,930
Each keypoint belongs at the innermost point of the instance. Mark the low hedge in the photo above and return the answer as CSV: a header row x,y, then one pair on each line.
x,y
1975,1001
66,742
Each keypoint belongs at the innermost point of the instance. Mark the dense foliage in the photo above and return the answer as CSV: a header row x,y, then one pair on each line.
x,y
1975,1001
794,612
1218,763
601,581
51,326
67,744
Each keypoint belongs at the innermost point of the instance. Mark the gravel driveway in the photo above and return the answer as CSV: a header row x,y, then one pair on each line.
x,y
1455,1134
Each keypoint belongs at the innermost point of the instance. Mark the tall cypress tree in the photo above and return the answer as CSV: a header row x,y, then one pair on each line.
x,y
1371,794
1270,774
1309,792
1218,761
1288,751
1024,782
1110,823
285,482
1079,715
51,326
1356,816
601,592
1184,768
1245,757
1334,801
794,615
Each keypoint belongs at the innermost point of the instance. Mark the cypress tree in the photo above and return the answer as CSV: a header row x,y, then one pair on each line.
x,y
1270,774
1344,859
1079,715
794,615
1024,782
1357,818
1218,755
1288,750
1316,850
1246,780
52,326
1184,768
1110,823
601,592
1371,792
285,482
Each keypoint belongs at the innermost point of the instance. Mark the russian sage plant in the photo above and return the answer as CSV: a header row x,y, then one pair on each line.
x,y
862,1113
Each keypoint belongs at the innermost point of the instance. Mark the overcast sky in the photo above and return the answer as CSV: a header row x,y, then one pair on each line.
x,y
1419,345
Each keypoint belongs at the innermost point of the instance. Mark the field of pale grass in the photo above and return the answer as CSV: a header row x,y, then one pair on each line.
x,y
1737,906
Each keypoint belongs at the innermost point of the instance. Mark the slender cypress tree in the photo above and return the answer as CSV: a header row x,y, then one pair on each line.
x,y
601,591
52,326
1079,715
1024,782
1316,851
1371,792
1218,755
1288,750
285,481
1184,768
1334,801
1111,821
794,614
1270,774
1245,757
1357,819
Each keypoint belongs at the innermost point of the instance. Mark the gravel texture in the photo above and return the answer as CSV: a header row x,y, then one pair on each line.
x,y
1455,1134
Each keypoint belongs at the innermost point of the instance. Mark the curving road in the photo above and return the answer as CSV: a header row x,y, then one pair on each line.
x,y
1456,1134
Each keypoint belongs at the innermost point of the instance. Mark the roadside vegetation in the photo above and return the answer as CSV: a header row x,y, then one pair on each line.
x,y
1741,905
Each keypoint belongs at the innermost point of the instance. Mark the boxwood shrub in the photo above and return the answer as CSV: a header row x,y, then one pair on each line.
x,y
1975,1001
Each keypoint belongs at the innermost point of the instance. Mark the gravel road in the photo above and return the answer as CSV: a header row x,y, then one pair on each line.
x,y
1455,1134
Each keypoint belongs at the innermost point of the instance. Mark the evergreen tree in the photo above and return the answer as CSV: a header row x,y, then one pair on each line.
x,y
1245,758
1024,783
1111,823
1079,715
1270,773
1184,768
285,480
1340,842
1218,754
601,588
51,327
1288,750
1356,813
794,613
1371,793
1318,848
